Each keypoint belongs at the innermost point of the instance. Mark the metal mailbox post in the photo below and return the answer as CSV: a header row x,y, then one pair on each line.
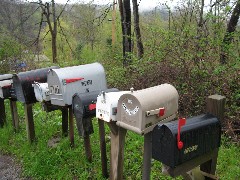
x,y
140,111
22,83
7,92
68,84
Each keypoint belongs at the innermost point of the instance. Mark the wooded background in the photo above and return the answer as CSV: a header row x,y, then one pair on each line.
x,y
193,45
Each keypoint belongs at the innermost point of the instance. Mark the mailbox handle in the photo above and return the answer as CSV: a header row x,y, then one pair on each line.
x,y
181,122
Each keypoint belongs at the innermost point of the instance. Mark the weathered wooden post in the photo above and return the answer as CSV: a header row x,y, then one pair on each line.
x,y
216,107
103,148
71,127
147,156
2,113
64,121
15,119
118,135
29,122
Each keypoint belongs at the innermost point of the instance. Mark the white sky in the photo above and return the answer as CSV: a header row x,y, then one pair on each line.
x,y
144,4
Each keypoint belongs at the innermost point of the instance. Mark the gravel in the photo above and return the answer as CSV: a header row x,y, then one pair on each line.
x,y
9,170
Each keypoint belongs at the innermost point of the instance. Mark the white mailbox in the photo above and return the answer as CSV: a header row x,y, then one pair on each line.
x,y
65,82
41,91
141,110
106,106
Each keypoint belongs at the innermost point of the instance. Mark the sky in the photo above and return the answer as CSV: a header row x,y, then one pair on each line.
x,y
144,4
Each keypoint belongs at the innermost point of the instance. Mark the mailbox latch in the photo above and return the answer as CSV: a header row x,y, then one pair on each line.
x,y
159,112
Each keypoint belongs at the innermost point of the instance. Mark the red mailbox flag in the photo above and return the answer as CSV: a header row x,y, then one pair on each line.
x,y
73,80
181,122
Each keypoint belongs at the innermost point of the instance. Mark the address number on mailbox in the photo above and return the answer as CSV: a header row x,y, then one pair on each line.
x,y
54,89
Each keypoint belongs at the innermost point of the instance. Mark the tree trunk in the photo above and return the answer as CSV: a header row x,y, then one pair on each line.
x,y
125,11
54,34
137,29
229,33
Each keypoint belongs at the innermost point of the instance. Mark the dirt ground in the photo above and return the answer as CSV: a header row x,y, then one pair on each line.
x,y
9,170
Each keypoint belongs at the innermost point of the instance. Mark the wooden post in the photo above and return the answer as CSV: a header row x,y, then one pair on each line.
x,y
71,127
15,119
64,121
2,113
147,156
117,151
215,106
103,148
88,149
29,122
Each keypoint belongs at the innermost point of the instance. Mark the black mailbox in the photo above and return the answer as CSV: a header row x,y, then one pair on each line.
x,y
23,81
174,146
84,108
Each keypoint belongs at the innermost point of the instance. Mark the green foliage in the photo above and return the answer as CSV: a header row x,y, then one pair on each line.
x,y
62,162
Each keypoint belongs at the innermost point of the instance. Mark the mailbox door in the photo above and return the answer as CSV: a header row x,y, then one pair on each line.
x,y
130,113
23,81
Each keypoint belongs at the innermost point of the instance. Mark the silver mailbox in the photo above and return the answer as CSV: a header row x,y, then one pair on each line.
x,y
65,82
106,106
141,110
41,91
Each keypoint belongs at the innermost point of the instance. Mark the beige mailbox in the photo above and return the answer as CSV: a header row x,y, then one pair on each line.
x,y
141,110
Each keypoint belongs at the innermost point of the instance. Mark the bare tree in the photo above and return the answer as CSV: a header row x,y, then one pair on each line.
x,y
125,12
49,11
137,29
231,27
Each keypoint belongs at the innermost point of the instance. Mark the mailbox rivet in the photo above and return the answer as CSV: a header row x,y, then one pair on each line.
x,y
131,89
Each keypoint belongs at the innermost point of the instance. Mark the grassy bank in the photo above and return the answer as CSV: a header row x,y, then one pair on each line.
x,y
39,161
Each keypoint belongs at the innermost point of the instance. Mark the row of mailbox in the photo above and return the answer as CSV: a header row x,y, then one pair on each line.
x,y
84,88
138,111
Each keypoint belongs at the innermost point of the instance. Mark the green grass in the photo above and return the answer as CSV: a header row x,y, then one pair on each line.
x,y
42,162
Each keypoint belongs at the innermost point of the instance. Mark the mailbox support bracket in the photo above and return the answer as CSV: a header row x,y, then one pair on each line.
x,y
185,167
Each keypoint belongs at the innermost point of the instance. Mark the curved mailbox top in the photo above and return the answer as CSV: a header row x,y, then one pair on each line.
x,y
141,110
5,77
200,135
23,81
65,82
106,107
41,91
